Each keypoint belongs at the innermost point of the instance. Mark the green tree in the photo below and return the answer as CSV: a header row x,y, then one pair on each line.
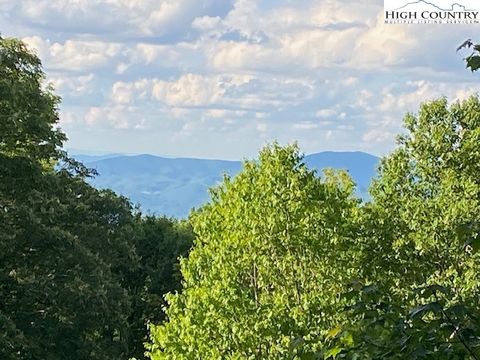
x,y
61,264
28,109
65,248
80,272
272,253
423,283
159,242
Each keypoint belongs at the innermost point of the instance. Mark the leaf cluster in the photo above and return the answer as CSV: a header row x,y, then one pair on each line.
x,y
287,264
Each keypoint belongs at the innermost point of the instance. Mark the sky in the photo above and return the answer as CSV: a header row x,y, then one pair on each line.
x,y
222,78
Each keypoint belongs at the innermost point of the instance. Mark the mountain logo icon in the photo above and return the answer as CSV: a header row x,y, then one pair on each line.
x,y
423,4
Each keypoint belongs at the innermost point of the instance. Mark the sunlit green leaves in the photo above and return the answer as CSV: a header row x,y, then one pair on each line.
x,y
268,265
428,198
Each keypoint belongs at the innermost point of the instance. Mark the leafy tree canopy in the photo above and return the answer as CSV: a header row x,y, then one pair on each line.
x,y
421,297
287,265
79,270
270,256
28,108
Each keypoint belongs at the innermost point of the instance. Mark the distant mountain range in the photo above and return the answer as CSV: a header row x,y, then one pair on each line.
x,y
173,186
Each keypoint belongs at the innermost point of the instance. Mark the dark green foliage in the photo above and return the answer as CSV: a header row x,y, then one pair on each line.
x,y
61,271
63,244
28,112
422,244
473,60
80,271
80,275
159,243
382,328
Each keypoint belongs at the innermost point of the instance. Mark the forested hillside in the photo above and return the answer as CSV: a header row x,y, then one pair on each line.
x,y
280,263
173,186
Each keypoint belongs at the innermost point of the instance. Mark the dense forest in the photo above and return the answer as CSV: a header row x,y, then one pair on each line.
x,y
281,263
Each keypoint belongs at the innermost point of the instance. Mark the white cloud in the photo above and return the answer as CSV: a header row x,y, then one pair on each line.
x,y
316,34
377,135
262,127
117,117
74,55
191,90
398,98
326,113
73,85
328,73
383,45
133,17
350,81
206,23
305,125
238,92
225,113
125,93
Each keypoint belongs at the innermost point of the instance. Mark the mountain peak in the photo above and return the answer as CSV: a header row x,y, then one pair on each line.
x,y
172,186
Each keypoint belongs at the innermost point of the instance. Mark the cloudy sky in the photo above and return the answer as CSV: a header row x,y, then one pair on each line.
x,y
221,78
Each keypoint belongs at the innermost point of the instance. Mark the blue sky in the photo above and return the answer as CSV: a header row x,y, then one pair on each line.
x,y
221,78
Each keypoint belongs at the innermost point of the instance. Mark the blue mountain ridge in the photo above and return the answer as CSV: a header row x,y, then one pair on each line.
x,y
173,186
